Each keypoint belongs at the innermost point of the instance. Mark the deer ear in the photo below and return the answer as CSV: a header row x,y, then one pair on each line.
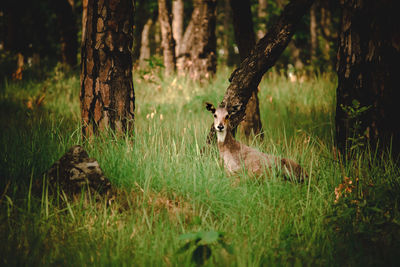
x,y
210,107
234,109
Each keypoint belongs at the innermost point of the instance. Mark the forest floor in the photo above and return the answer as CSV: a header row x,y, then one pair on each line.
x,y
175,204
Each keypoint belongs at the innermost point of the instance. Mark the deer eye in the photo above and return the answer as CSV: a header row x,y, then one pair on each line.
x,y
226,117
215,116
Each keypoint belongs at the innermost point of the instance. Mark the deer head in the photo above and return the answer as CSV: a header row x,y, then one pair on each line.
x,y
222,115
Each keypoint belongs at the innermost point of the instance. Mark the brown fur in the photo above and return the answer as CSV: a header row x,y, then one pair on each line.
x,y
237,155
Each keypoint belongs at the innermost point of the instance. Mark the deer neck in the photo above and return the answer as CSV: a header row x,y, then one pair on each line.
x,y
226,141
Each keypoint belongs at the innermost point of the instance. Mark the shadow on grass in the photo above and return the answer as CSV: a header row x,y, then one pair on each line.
x,y
31,139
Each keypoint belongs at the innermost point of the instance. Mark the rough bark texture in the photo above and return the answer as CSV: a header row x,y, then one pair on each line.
x,y
245,40
368,72
198,57
262,57
177,23
107,94
69,33
167,40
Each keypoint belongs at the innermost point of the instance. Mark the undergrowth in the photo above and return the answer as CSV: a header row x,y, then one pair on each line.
x,y
175,205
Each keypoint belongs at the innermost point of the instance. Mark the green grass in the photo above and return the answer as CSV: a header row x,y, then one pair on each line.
x,y
167,186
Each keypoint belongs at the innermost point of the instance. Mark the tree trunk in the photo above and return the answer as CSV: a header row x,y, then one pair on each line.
x,y
145,43
84,18
368,73
107,94
177,23
183,57
200,59
245,40
313,34
69,34
167,41
262,57
295,55
140,20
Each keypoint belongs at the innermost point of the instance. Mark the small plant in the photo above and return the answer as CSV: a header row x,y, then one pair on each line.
x,y
202,243
356,139
366,217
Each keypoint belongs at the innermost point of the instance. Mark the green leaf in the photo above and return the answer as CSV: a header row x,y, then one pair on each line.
x,y
355,103
210,237
190,236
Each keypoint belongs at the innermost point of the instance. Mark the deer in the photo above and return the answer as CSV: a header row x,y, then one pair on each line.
x,y
237,156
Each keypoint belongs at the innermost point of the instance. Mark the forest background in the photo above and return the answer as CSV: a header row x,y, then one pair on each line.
x,y
173,203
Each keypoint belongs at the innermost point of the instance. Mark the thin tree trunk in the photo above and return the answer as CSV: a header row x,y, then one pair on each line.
x,y
327,32
262,57
368,73
177,23
84,18
141,18
202,64
313,34
167,40
245,39
107,94
145,43
69,34
295,55
183,57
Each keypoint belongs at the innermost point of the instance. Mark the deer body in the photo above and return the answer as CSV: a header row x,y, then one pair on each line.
x,y
237,156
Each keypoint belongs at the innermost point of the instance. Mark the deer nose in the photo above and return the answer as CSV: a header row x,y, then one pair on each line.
x,y
220,127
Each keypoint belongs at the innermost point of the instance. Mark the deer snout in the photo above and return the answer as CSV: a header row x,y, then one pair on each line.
x,y
220,127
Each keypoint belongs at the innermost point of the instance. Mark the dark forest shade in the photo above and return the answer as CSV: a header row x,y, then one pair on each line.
x,y
368,72
263,56
245,40
68,31
107,94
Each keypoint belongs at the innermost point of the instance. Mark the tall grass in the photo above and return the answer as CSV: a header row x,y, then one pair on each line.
x,y
168,185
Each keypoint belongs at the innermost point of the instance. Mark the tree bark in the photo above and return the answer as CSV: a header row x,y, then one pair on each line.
x,y
262,57
167,41
69,34
107,94
198,57
177,23
368,72
84,18
245,40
